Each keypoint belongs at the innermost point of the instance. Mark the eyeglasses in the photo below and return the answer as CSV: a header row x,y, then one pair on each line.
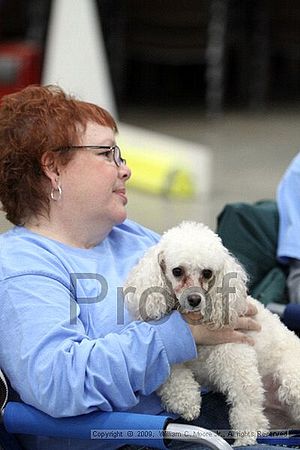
x,y
113,152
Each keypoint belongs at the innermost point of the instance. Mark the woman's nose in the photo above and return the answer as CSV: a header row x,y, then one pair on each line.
x,y
124,172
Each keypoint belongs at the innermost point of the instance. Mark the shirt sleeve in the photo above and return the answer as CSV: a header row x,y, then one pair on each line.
x,y
288,200
55,366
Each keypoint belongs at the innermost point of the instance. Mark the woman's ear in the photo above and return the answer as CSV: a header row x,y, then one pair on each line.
x,y
50,167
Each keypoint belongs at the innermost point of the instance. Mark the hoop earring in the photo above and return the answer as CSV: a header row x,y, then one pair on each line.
x,y
56,193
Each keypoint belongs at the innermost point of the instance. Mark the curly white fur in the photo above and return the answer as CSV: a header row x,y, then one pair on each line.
x,y
191,270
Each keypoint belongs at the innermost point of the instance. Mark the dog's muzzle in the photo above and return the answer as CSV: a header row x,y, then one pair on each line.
x,y
192,299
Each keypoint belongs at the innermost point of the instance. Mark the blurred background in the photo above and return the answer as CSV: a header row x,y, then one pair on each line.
x,y
221,74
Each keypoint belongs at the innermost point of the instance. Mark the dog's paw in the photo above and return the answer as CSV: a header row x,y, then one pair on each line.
x,y
245,440
248,436
181,394
263,426
187,410
192,412
186,404
246,427
289,396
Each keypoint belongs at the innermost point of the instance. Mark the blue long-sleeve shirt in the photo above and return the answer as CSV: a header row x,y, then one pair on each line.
x,y
288,251
288,199
68,345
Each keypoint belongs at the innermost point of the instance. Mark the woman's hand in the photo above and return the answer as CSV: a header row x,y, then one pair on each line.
x,y
206,336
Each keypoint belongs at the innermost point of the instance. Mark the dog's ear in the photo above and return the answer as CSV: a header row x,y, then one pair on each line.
x,y
161,262
145,292
228,295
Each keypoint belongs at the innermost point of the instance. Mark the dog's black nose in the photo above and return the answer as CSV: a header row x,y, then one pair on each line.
x,y
194,300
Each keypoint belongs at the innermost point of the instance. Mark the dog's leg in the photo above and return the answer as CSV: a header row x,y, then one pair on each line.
x,y
286,376
232,369
181,393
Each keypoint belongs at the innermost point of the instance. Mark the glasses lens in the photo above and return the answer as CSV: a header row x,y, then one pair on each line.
x,y
117,156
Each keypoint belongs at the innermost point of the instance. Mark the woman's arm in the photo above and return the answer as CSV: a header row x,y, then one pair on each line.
x,y
55,366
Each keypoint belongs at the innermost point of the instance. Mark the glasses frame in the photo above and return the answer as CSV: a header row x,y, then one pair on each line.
x,y
115,149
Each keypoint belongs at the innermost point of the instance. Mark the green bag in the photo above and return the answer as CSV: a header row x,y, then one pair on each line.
x,y
250,232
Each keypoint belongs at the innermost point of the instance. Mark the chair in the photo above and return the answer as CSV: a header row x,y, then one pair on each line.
x,y
133,429
250,232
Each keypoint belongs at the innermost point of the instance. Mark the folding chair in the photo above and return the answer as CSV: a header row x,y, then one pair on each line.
x,y
132,429
250,232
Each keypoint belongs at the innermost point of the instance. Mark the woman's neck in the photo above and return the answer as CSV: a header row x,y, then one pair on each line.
x,y
78,235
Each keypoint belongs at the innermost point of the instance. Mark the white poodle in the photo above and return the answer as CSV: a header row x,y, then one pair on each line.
x,y
191,270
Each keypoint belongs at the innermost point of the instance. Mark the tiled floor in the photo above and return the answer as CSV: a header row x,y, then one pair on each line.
x,y
250,153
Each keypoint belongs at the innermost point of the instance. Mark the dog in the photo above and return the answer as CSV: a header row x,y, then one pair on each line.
x,y
191,270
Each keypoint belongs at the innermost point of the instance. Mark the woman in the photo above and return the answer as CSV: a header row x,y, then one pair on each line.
x,y
72,347
288,250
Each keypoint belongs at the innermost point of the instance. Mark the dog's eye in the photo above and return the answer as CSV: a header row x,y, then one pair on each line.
x,y
177,272
207,274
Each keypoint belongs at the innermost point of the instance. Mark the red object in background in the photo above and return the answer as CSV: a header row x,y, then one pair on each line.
x,y
20,65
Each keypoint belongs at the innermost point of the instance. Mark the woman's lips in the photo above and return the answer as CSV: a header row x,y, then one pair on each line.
x,y
121,193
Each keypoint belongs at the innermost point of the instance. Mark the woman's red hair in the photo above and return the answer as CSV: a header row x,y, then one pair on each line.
x,y
34,121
